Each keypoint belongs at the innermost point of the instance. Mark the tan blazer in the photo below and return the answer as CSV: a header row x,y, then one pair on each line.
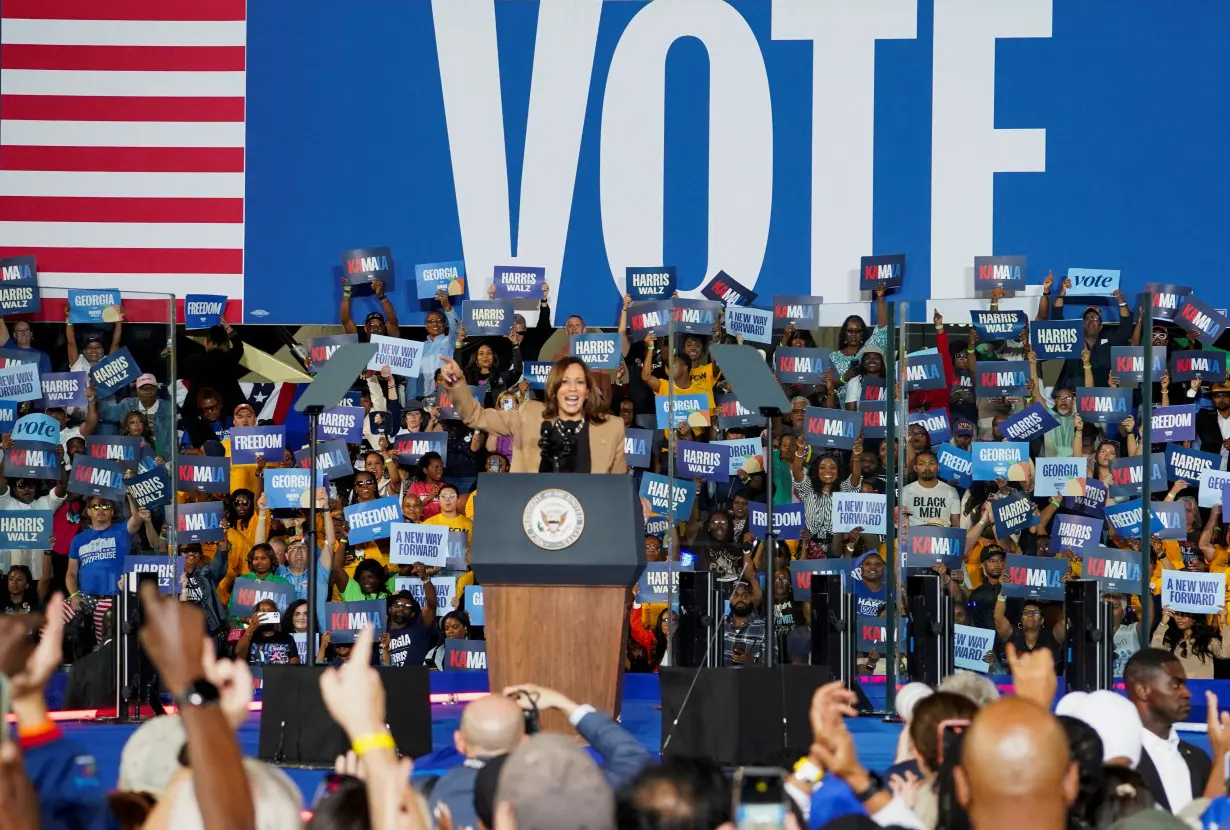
x,y
524,425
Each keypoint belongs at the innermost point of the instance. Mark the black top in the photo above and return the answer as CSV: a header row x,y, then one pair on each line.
x,y
566,442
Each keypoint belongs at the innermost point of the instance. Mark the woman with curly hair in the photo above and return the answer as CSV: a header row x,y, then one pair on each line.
x,y
1191,639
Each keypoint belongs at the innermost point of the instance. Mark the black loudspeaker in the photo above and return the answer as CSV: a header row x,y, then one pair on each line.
x,y
296,729
929,630
699,611
734,717
828,624
1089,642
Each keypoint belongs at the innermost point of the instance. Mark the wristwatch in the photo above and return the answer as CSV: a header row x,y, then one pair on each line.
x,y
198,693
875,786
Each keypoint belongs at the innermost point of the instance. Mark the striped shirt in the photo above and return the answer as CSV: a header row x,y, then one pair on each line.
x,y
818,507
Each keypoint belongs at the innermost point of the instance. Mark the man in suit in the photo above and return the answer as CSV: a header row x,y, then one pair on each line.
x,y
1174,771
1213,426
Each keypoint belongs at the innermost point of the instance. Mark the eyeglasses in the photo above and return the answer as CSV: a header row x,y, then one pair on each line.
x,y
1065,398
365,483
448,497
403,604
1031,612
104,507
210,407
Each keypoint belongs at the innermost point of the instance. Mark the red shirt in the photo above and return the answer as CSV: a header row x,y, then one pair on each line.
x,y
66,523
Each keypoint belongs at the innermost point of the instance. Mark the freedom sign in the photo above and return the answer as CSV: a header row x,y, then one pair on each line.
x,y
26,529
518,282
727,290
1033,577
31,459
1125,519
332,458
1006,272
449,277
1207,364
96,477
202,311
1060,476
656,283
1173,423
998,325
956,465
93,305
151,488
342,422
1128,363
403,357
599,351
1008,460
64,389
1002,378
754,324
1031,422
970,645
836,428
114,372
203,474
1092,282
413,543
788,520
800,365
251,443
412,446
935,422
696,459
1197,315
1057,339
199,522
1193,593
372,520
166,568
861,510
886,271
658,490
925,545
344,620
1074,533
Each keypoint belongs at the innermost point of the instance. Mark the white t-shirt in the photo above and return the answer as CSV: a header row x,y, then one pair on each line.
x,y
930,505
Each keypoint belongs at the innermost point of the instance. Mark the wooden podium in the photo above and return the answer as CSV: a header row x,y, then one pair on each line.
x,y
556,555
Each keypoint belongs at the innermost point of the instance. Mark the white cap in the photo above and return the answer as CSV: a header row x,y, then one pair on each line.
x,y
909,696
1116,721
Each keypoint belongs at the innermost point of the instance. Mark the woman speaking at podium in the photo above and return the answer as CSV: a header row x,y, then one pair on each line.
x,y
568,432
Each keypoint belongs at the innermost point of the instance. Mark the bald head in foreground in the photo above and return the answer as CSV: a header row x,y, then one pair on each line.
x,y
1014,769
490,726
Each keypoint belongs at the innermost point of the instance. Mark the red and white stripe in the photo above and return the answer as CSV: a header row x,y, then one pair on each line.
x,y
122,146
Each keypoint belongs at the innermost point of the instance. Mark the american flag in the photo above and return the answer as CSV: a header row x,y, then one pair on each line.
x,y
122,146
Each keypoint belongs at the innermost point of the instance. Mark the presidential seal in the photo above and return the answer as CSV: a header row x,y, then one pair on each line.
x,y
553,519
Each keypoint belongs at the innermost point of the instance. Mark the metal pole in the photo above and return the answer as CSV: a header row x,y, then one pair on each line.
x,y
1146,478
310,538
770,538
890,502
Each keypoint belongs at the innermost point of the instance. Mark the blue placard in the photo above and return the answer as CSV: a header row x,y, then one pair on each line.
x,y
1002,378
741,449
372,520
487,317
332,458
873,417
788,520
411,446
657,526
1104,405
1193,593
1208,364
926,545
1090,504
1092,282
836,428
798,310
38,428
599,351
754,324
998,325
1057,339
886,271
201,311
1060,477
1117,569
19,292
1185,464
935,422
250,443
1031,422
91,305
657,489
1197,315
1125,519
20,383
800,365
801,572
680,408
320,349
649,318
113,373
1033,577
1173,423
250,592
465,655
127,450
659,582
1167,299
64,389
28,459
924,370
344,423
199,522
8,416
363,265
536,373
1013,514
696,459
96,477
449,277
26,529
151,488
166,568
1127,475
991,272
344,620
956,465
287,488
203,474
732,414
727,290
695,316
638,445
518,282
1074,533
658,283
999,459
1169,520
473,604
1128,363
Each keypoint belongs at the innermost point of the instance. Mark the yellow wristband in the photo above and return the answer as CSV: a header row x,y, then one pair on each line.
x,y
378,740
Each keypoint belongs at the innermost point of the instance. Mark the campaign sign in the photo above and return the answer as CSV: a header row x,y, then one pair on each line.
x,y
861,510
924,370
1197,315
487,317
925,545
873,634
64,389
656,283
403,357
113,373
1008,460
1060,476
1033,577
1127,475
956,465
26,529
250,443
126,449
332,458
657,526
1184,464
1212,483
1207,364
449,277
20,383
658,490
344,423
837,428
93,305
754,324
649,318
96,477
801,571
518,282
1173,423
1124,519
12,357
37,427
199,522
695,459
886,271
372,520
1166,299
410,544
1074,533
935,422
599,351
798,310
473,604
1108,405
692,409
203,474
695,316
970,645
1013,515
1002,378
320,349
166,568
1128,363
362,265
993,326
728,291
465,655
250,592
201,311
1169,520
8,416
637,447
741,449
1031,422
19,292
1092,282
659,582
1090,504
873,417
1117,569
800,365
536,372
411,446
1006,272
731,414
1057,339
32,459
151,488
1193,593
787,520
289,489
344,620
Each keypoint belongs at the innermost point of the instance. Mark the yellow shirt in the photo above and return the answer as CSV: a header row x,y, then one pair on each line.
x,y
243,476
1173,555
455,523
1219,565
469,511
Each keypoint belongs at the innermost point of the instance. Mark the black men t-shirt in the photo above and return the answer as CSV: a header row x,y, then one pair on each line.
x,y
408,646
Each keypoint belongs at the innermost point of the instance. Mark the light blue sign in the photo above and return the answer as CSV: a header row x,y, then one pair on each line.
x,y
1092,282
20,383
92,305
996,459
439,276
680,409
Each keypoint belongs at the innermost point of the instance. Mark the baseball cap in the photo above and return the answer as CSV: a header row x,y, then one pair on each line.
x,y
485,784
991,551
374,315
962,426
147,379
92,337
246,406
150,758
1224,386
1094,309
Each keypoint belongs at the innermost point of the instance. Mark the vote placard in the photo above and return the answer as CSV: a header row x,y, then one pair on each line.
x,y
886,271
650,283
1006,272
362,265
202,311
1097,282
251,443
518,282
410,544
372,520
36,427
449,277
727,290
